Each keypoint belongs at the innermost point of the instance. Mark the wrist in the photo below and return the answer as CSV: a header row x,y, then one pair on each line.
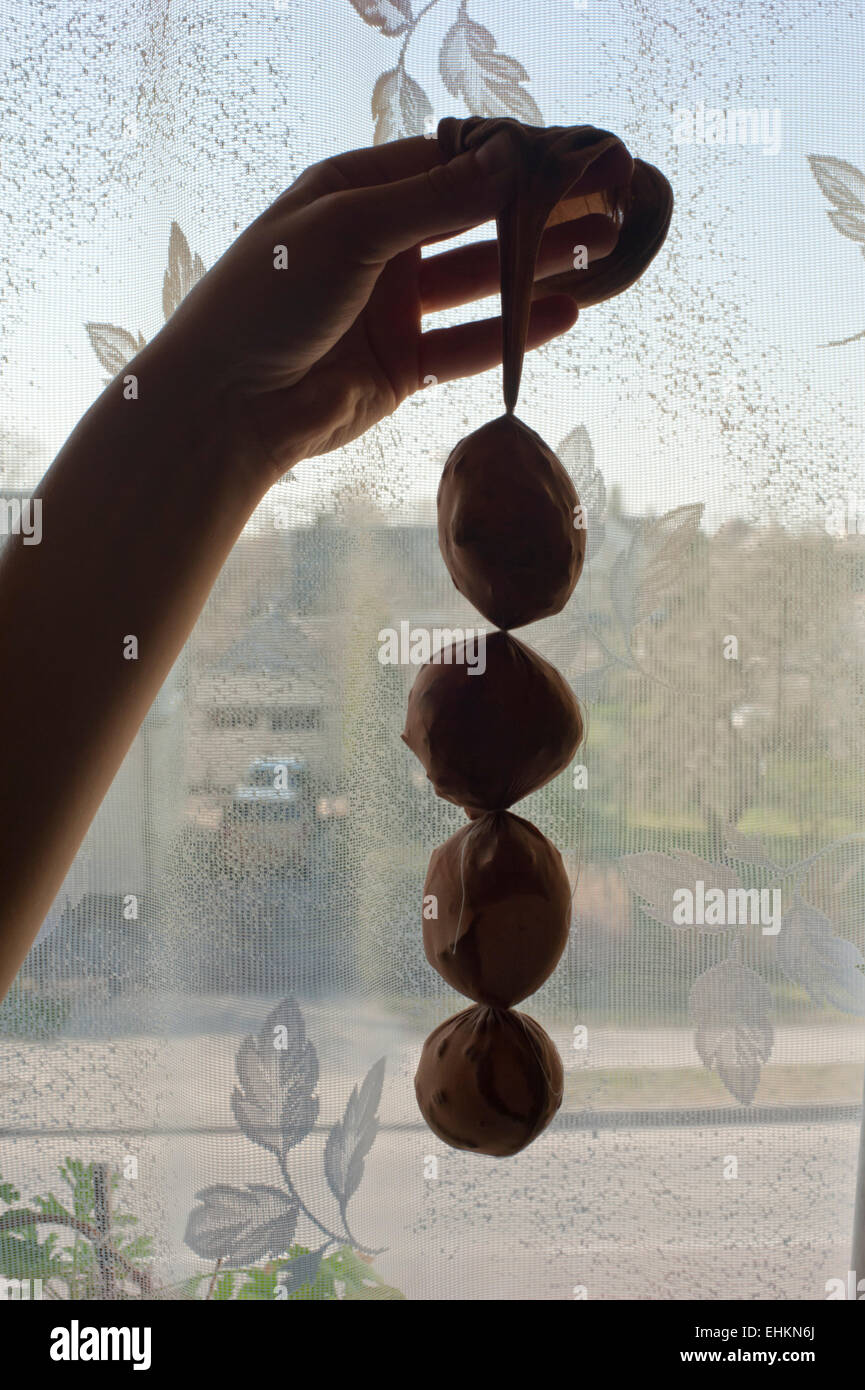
x,y
196,417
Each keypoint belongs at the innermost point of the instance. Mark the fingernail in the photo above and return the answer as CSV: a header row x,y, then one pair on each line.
x,y
496,154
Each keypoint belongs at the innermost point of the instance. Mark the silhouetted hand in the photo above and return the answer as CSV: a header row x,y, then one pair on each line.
x,y
317,351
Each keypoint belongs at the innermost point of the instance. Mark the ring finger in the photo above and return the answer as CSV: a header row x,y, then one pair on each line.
x,y
467,273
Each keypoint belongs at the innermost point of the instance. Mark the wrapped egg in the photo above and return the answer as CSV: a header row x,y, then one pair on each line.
x,y
488,737
497,909
489,1080
510,527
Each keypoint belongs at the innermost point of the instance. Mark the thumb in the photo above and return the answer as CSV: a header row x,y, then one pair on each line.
x,y
472,188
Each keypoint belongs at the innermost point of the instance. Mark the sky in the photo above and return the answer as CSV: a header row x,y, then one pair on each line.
x,y
708,382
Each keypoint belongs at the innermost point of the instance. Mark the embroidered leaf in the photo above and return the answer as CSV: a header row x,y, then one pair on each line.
x,y
113,346
353,1136
667,542
577,456
645,574
278,1072
182,272
730,1006
400,106
849,224
842,183
844,186
587,685
657,877
390,16
826,966
241,1225
488,81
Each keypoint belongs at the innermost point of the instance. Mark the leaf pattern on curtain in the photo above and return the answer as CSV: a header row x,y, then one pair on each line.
x,y
400,106
471,67
844,185
730,1011
209,122
389,16
276,1107
642,576
730,1003
730,1008
182,272
115,346
469,63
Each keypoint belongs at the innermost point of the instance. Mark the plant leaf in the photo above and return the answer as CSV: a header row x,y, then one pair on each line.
x,y
113,346
656,877
359,1278
730,1006
822,963
400,106
182,272
224,1287
577,456
50,1206
241,1225
275,1104
303,1269
23,1256
391,17
488,81
842,183
352,1137
259,1286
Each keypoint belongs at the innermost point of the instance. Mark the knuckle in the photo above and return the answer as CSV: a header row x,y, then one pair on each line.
x,y
443,180
331,212
325,176
353,220
316,181
341,222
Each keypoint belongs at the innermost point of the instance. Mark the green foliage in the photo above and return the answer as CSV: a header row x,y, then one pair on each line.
x,y
26,1014
342,1276
68,1256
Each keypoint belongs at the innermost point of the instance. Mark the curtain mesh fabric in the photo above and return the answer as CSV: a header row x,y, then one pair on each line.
x,y
706,1147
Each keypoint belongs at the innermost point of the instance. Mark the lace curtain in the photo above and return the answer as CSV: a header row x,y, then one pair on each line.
x,y
211,1046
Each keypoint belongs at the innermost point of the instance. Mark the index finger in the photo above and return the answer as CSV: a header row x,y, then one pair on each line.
x,y
370,165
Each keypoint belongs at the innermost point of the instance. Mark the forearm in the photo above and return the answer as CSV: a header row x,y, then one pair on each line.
x,y
139,512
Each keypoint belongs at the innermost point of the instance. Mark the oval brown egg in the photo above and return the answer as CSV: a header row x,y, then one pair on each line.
x,y
509,525
487,740
489,1081
502,909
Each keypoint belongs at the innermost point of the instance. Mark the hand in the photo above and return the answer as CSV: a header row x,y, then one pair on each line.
x,y
312,355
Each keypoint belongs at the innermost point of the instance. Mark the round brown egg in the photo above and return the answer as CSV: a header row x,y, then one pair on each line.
x,y
489,737
489,1080
509,523
496,909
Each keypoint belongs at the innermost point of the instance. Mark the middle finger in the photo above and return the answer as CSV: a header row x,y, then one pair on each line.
x,y
471,272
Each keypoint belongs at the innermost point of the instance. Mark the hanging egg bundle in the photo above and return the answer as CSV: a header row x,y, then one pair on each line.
x,y
512,536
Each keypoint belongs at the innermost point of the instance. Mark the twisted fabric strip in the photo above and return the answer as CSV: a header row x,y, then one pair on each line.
x,y
555,160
